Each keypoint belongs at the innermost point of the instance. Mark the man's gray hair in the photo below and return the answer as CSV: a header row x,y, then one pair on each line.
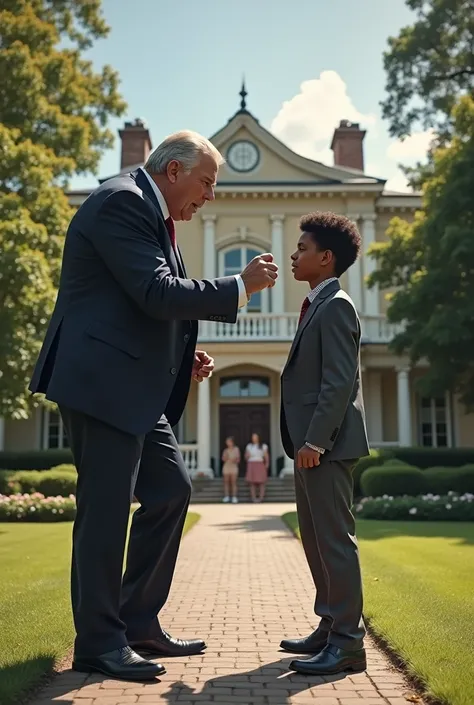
x,y
185,147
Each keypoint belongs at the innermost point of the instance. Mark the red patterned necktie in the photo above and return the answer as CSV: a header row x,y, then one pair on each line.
x,y
304,307
169,222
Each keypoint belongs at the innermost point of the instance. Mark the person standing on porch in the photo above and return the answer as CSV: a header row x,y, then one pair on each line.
x,y
256,455
230,470
323,429
118,359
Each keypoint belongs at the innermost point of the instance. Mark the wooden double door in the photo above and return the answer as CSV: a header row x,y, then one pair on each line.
x,y
240,421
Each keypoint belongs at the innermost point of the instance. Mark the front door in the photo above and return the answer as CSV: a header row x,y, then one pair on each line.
x,y
240,421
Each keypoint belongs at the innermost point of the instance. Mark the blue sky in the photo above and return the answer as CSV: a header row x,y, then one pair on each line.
x,y
308,64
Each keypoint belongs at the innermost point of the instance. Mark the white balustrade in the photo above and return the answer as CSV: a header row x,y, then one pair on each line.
x,y
189,451
282,327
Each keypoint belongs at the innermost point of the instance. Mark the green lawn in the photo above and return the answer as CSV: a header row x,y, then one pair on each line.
x,y
35,618
419,596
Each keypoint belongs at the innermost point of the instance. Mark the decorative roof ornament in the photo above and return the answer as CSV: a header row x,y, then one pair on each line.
x,y
243,93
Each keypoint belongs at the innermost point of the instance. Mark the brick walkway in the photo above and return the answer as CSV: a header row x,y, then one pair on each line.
x,y
242,584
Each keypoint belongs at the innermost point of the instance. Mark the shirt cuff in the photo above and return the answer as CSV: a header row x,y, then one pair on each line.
x,y
243,298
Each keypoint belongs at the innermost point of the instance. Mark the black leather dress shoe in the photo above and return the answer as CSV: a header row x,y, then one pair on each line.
x,y
122,663
331,660
312,644
165,645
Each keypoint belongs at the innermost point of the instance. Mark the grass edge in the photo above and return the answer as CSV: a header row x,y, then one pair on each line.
x,y
290,519
64,662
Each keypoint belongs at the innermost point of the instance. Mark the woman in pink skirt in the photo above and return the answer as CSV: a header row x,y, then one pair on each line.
x,y
256,455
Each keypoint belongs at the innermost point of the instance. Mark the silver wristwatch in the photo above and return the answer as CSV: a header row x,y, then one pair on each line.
x,y
319,450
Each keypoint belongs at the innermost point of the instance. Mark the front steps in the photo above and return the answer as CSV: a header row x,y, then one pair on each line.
x,y
208,491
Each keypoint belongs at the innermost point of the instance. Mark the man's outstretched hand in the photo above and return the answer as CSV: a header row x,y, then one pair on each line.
x,y
260,273
203,365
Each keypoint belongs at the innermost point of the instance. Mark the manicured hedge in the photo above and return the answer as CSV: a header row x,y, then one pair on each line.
x,y
434,457
34,459
60,481
396,480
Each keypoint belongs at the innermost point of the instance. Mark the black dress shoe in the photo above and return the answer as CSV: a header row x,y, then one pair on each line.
x,y
330,661
165,645
122,663
312,644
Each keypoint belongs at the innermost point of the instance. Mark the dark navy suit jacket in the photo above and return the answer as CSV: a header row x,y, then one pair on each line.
x,y
121,340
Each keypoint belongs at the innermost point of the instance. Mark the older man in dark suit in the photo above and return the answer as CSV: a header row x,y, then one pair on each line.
x,y
118,359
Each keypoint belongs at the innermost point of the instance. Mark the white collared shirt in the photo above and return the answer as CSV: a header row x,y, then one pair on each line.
x,y
319,287
243,298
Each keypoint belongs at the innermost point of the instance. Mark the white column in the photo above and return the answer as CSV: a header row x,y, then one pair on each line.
x,y
354,276
404,406
209,269
374,407
204,428
368,237
2,433
278,291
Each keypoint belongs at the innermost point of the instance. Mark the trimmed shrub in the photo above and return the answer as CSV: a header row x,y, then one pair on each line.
x,y
444,480
50,483
29,480
452,507
7,483
376,458
65,467
396,480
34,459
56,483
435,457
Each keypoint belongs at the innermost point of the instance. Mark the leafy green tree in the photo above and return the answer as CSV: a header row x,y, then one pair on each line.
x,y
430,263
429,66
54,109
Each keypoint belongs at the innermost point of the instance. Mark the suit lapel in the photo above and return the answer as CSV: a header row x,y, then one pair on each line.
x,y
173,259
323,294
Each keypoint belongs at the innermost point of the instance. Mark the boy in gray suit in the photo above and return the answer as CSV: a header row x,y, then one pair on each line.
x,y
323,429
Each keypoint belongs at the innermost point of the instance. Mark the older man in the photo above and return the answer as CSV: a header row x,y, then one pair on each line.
x,y
118,359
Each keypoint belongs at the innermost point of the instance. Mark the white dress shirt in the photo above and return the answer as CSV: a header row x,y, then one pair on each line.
x,y
243,298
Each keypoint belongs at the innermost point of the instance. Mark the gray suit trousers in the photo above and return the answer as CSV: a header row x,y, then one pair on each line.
x,y
327,527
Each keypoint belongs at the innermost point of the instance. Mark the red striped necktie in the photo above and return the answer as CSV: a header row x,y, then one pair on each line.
x,y
169,222
304,307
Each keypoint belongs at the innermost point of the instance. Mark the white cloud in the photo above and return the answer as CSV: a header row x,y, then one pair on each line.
x,y
412,148
398,182
306,122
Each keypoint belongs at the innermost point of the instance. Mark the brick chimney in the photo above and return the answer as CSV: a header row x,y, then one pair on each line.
x,y
136,143
347,145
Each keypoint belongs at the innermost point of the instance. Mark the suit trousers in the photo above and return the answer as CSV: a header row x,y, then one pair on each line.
x,y
327,528
113,466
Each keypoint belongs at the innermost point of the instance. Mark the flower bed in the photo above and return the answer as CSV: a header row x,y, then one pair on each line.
x,y
428,507
37,507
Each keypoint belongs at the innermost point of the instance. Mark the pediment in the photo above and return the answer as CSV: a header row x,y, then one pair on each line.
x,y
277,164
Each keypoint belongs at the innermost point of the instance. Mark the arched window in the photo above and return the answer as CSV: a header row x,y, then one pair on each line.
x,y
233,261
244,387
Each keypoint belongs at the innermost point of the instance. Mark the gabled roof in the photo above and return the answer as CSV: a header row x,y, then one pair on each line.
x,y
314,172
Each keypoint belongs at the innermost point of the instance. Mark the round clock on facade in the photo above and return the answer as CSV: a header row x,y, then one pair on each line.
x,y
243,156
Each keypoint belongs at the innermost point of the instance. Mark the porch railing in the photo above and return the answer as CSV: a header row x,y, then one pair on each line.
x,y
258,327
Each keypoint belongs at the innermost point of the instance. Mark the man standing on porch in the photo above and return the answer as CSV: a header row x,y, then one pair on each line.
x,y
118,359
323,429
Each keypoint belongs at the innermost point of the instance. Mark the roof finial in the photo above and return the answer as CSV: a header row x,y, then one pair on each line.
x,y
243,93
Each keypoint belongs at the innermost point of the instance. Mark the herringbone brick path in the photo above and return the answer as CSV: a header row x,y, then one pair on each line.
x,y
242,584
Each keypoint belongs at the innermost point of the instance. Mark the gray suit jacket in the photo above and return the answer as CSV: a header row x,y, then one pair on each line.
x,y
321,389
120,343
